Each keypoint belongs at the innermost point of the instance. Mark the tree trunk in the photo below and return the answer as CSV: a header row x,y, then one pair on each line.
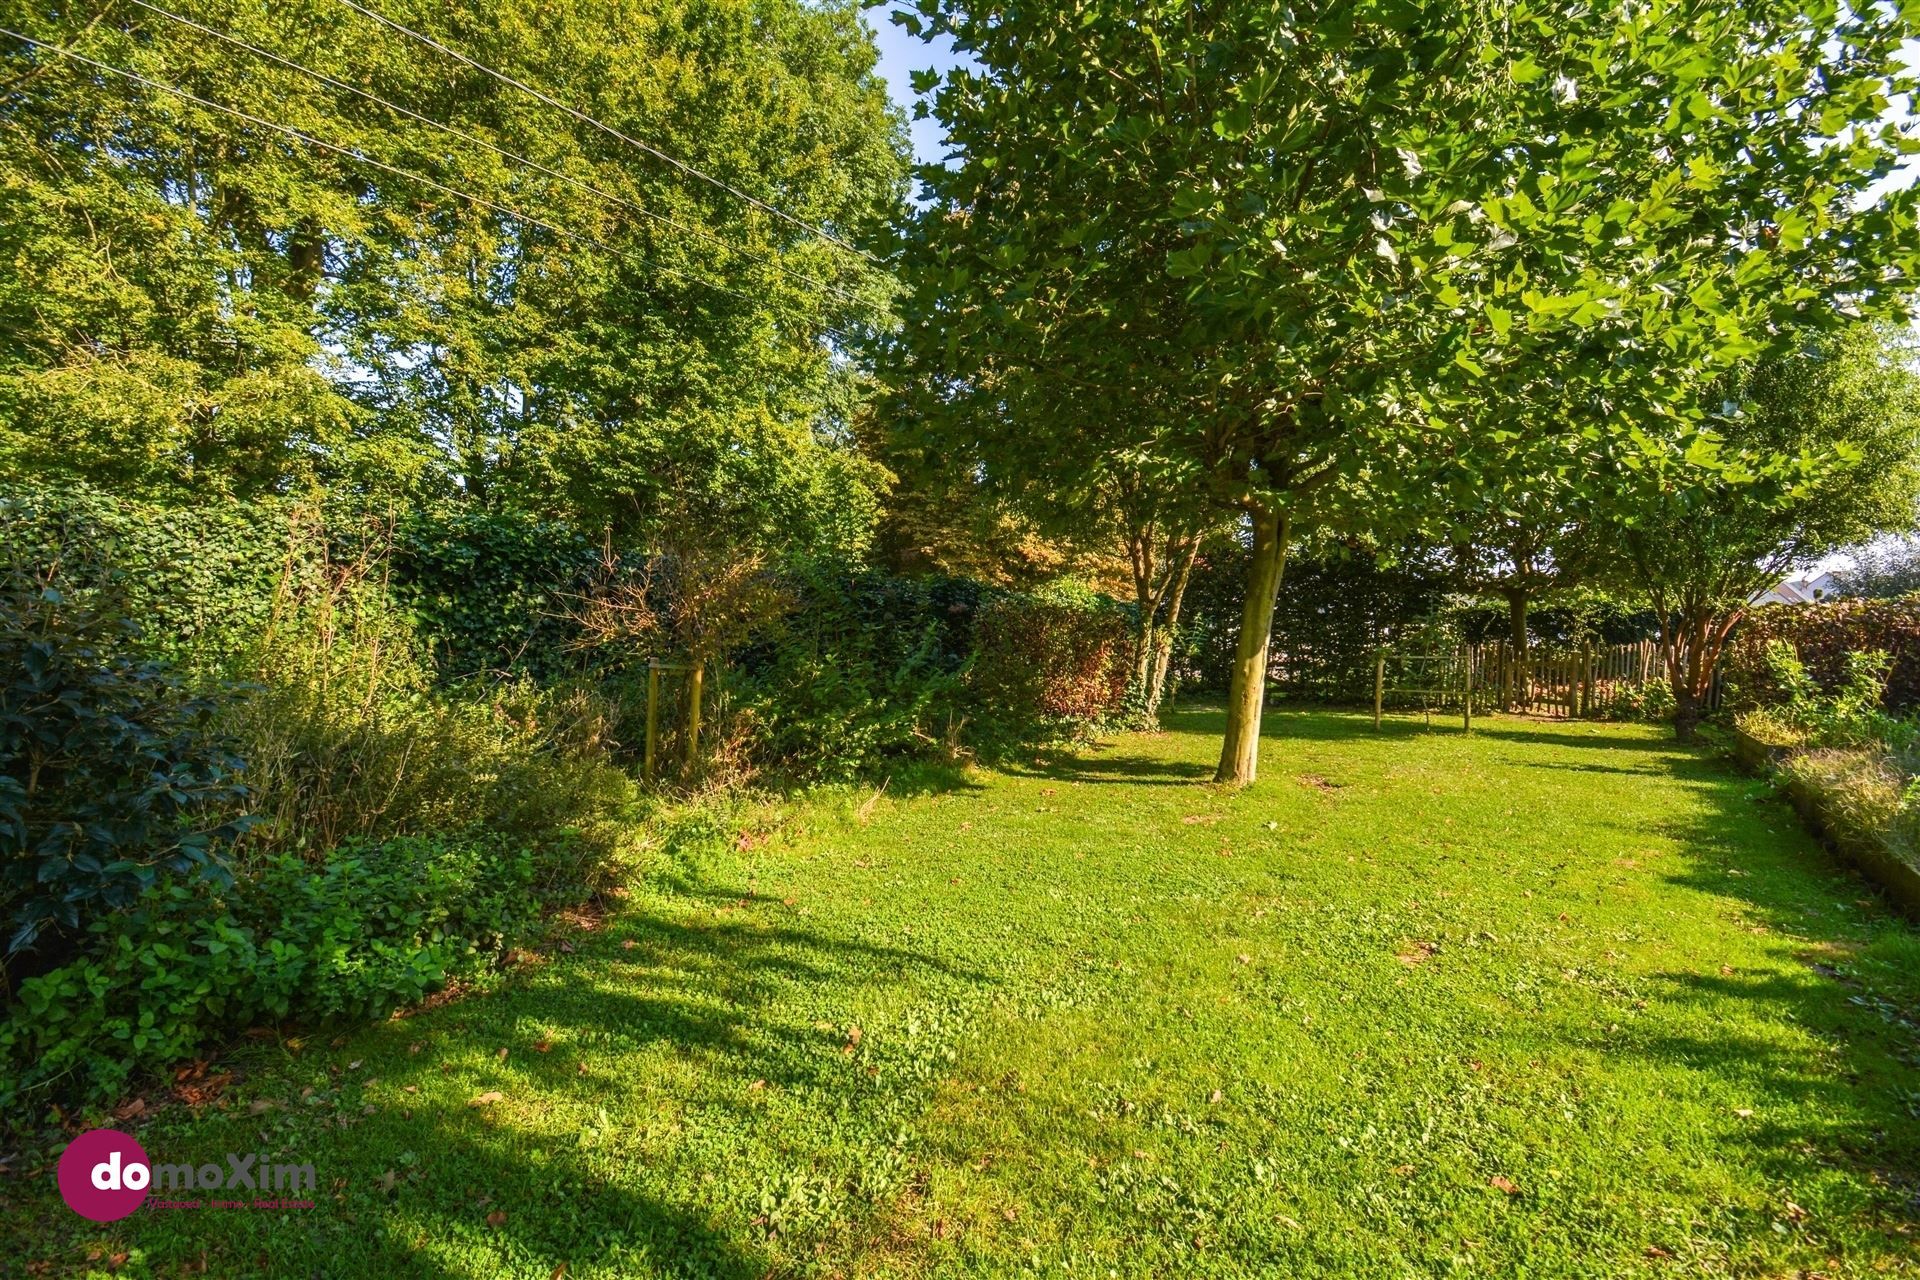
x,y
1517,620
1145,638
1163,646
1246,696
1687,714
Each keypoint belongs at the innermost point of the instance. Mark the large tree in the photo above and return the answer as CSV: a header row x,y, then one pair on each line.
x,y
1812,450
546,316
1355,223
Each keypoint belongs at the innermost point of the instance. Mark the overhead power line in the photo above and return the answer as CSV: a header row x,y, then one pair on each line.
x,y
610,131
361,158
345,86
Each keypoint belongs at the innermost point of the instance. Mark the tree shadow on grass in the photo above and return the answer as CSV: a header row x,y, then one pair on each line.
x,y
1850,1085
1130,770
652,1077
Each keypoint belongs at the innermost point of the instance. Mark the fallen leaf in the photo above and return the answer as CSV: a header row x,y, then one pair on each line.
x,y
498,1218
628,944
259,1105
1414,953
1244,958
488,1098
1499,1183
559,1272
1655,1251
543,1046
387,1180
1216,1096
354,1065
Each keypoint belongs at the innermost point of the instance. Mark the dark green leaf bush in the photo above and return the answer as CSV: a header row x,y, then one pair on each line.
x,y
112,780
373,927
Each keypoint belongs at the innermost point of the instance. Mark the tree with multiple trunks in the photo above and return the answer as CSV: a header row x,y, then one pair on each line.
x,y
1349,227
1813,450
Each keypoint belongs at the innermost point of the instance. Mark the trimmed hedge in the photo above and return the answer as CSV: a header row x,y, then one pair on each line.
x,y
1823,635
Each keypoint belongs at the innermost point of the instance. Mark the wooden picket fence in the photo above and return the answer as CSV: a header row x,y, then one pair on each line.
x,y
1592,681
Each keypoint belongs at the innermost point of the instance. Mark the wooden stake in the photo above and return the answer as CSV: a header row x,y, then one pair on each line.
x,y
1379,684
695,680
653,716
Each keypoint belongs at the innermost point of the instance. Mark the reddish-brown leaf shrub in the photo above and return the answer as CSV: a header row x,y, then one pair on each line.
x,y
1823,635
1057,661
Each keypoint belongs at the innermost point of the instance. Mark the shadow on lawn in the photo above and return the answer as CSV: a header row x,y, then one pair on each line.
x,y
1852,1084
700,986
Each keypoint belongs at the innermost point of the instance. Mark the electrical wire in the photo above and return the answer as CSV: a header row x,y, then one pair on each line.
x,y
609,130
361,158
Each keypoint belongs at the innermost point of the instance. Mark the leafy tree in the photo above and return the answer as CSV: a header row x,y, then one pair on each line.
x,y
1355,223
192,302
1883,570
1813,450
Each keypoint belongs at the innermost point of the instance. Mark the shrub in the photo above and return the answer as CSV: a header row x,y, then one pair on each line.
x,y
203,579
865,670
1801,713
348,736
372,928
112,780
1823,638
1048,664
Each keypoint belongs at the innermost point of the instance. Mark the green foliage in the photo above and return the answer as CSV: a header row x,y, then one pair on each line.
x,y
371,928
1824,640
193,304
1798,711
489,591
1336,608
865,671
112,779
200,577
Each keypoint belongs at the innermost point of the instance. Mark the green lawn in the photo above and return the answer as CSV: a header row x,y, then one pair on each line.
x,y
1549,1000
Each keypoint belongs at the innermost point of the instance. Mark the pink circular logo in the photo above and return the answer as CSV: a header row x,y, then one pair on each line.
x,y
104,1175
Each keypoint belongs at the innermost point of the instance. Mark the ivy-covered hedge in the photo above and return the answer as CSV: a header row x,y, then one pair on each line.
x,y
1332,613
1823,636
197,580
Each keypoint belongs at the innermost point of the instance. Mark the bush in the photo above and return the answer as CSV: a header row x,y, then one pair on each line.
x,y
112,780
1800,713
1823,638
373,928
864,671
1048,665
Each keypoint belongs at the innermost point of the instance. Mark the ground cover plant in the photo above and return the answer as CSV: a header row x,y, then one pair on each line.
x,y
1553,999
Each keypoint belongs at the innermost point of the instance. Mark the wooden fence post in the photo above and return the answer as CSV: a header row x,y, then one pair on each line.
x,y
1586,677
695,679
1466,700
1379,684
653,715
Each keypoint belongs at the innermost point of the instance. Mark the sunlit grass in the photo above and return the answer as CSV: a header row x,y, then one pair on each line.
x,y
1550,1000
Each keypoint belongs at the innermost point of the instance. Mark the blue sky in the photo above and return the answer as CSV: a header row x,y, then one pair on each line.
x,y
901,55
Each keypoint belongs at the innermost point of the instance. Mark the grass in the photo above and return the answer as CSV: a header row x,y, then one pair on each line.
x,y
1549,1000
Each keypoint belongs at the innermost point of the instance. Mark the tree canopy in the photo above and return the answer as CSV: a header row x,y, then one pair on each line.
x,y
1346,228
441,284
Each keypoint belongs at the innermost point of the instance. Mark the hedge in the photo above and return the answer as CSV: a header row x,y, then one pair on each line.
x,y
1823,635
